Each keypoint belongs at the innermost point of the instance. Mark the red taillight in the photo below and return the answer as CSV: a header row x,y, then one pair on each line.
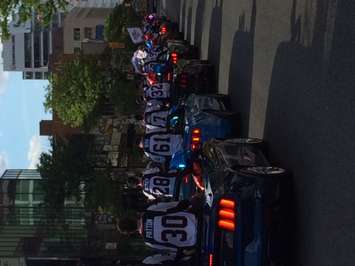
x,y
210,260
227,214
228,204
226,225
163,30
195,139
196,131
174,57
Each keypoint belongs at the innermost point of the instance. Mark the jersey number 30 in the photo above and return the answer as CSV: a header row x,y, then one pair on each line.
x,y
175,225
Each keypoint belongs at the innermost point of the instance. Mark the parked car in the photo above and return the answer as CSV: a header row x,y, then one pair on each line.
x,y
195,76
205,117
244,223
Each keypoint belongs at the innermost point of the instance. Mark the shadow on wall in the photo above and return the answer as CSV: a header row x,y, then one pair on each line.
x,y
241,69
199,22
215,36
311,103
189,23
173,9
183,16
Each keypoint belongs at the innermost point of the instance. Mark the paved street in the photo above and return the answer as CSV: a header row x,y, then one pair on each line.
x,y
289,67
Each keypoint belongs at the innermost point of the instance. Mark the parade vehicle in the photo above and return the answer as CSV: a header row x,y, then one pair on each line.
x,y
244,225
195,76
205,117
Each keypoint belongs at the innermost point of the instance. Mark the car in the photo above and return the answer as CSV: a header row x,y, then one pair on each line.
x,y
195,76
205,117
243,222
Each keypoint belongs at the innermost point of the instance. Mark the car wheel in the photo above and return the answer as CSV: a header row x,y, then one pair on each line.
x,y
253,141
265,170
222,114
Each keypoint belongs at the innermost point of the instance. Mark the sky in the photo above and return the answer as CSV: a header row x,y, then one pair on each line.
x,y
21,109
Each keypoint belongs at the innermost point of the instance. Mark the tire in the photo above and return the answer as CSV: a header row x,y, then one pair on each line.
x,y
251,141
268,171
222,114
254,142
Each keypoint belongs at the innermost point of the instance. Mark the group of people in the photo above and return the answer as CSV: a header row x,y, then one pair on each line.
x,y
167,224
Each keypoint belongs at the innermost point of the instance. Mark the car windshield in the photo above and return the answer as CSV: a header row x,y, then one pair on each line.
x,y
198,102
242,156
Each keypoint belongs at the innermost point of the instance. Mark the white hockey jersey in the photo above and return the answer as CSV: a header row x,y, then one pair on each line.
x,y
160,91
166,228
160,147
157,184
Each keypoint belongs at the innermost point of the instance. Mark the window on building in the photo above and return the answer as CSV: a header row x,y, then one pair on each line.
x,y
23,190
37,49
28,50
76,35
45,45
28,75
45,75
38,191
13,50
77,50
38,75
88,33
99,32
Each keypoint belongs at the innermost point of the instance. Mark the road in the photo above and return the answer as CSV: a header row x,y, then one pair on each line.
x,y
289,67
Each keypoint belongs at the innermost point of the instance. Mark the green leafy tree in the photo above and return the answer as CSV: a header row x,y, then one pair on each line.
x,y
116,24
64,168
22,10
76,90
68,171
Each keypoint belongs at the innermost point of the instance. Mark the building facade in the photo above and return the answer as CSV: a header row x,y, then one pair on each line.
x,y
26,224
95,3
83,25
29,46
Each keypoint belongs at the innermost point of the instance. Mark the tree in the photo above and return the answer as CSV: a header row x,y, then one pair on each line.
x,y
68,171
76,90
116,25
21,11
65,168
83,85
